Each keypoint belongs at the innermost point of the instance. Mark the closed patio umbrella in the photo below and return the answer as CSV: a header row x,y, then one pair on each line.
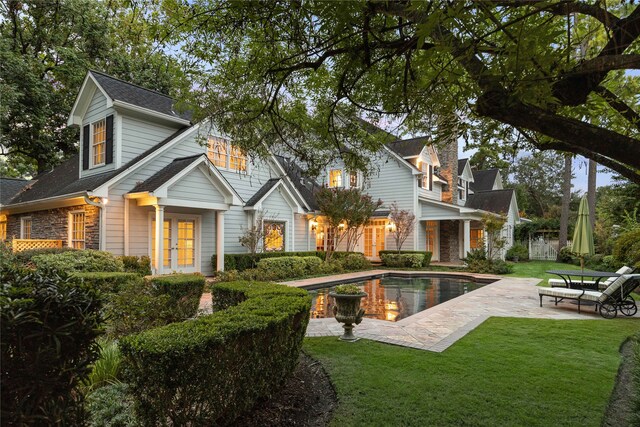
x,y
583,234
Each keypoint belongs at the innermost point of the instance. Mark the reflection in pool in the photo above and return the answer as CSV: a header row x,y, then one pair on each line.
x,y
394,298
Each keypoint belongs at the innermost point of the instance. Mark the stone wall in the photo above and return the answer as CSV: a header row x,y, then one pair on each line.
x,y
54,224
448,156
449,241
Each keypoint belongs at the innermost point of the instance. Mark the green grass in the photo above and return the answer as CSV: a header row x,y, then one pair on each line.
x,y
537,269
507,372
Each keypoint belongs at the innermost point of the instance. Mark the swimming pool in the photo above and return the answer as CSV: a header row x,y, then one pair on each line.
x,y
393,298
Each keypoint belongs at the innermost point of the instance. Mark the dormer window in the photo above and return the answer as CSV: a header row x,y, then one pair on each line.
x,y
426,181
225,155
98,139
335,178
463,188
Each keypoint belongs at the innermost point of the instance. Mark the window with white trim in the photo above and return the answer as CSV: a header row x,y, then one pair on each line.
x,y
98,142
25,227
463,187
3,230
335,178
225,155
77,230
274,236
353,180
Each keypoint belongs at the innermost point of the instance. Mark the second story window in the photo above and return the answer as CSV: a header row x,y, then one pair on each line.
x,y
225,155
335,178
98,138
462,189
353,180
426,181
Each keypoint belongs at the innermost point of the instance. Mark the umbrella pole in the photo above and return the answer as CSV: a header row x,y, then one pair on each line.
x,y
582,267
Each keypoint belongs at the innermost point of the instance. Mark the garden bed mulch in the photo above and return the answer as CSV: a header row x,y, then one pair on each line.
x,y
307,399
620,410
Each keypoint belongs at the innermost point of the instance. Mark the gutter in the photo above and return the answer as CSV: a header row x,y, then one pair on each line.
x,y
102,205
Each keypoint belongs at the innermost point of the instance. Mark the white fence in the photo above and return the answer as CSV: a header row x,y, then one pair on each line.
x,y
540,249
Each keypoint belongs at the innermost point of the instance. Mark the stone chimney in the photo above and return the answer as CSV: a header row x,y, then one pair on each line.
x,y
448,155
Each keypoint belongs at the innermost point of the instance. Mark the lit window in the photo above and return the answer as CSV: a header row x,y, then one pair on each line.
x,y
274,236
3,230
217,151
98,139
76,227
237,160
335,178
476,238
25,228
353,180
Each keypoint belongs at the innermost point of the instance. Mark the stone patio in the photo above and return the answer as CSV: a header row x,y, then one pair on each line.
x,y
437,328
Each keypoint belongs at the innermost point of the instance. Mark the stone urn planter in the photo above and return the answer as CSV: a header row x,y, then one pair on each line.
x,y
347,308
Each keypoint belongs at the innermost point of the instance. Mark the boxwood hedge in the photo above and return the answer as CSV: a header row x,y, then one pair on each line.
x,y
425,262
243,262
209,370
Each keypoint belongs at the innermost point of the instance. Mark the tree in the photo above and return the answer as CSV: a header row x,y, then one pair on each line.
x,y
403,224
495,242
538,177
566,199
46,49
280,73
345,212
253,237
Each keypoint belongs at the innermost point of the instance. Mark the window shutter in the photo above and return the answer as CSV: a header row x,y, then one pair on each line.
x,y
85,147
109,140
430,178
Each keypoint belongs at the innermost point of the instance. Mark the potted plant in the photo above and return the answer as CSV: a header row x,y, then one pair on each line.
x,y
347,308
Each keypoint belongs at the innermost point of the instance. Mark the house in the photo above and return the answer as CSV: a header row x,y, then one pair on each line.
x,y
149,181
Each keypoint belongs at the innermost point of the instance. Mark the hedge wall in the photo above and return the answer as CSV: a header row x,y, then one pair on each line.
x,y
243,262
110,282
425,262
209,370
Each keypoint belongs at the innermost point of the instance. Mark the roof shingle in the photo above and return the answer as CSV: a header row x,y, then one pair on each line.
x,y
262,191
484,180
496,201
156,180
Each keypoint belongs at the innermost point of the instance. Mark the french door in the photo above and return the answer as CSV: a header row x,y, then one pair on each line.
x,y
180,246
374,239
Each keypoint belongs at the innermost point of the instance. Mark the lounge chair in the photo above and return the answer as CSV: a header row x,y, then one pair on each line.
x,y
560,283
616,297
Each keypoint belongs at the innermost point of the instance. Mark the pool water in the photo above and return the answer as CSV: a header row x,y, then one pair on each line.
x,y
395,298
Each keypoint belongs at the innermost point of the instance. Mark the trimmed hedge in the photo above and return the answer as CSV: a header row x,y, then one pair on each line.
x,y
243,262
24,257
355,261
110,282
84,260
184,291
48,322
413,260
425,262
209,370
134,264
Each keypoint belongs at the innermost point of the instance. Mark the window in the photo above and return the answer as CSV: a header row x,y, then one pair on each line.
x,y
462,189
225,155
25,228
335,178
3,230
274,233
476,238
76,230
98,138
353,179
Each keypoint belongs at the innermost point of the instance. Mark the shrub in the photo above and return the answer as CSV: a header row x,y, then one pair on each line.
x,y
425,262
347,290
567,256
106,370
24,257
411,260
517,251
355,262
108,282
282,267
111,406
313,264
626,248
209,370
243,262
49,322
85,260
487,266
156,302
133,264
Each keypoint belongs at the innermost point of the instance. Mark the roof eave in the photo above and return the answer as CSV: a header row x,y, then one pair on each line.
x,y
127,106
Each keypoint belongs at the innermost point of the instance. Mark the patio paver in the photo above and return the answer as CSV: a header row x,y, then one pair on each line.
x,y
437,328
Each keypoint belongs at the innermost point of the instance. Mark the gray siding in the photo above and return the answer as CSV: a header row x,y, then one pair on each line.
x,y
304,238
195,186
277,208
139,135
97,110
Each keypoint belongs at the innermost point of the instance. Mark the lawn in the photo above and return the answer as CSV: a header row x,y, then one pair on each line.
x,y
537,269
506,372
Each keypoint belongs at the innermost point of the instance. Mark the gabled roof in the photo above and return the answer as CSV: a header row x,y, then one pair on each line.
x,y
484,180
409,147
119,90
164,174
9,187
461,164
496,201
263,191
63,180
305,186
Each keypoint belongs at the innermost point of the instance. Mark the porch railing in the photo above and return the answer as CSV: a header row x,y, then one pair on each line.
x,y
19,245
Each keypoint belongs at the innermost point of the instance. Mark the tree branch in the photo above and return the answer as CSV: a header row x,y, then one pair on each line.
x,y
619,105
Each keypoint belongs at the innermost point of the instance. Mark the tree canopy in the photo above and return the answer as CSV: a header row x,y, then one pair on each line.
x,y
553,74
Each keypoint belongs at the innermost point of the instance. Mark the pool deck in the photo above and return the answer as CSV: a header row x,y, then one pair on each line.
x,y
438,327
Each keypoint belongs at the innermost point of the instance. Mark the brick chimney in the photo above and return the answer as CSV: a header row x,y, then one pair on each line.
x,y
448,155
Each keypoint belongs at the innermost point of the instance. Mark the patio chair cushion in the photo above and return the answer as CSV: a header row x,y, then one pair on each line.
x,y
616,286
560,283
570,293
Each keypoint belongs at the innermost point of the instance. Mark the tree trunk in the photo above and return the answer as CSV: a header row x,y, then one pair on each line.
x,y
591,191
566,198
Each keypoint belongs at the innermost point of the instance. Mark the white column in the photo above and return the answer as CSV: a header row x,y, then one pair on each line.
x,y
126,226
159,239
467,236
220,240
